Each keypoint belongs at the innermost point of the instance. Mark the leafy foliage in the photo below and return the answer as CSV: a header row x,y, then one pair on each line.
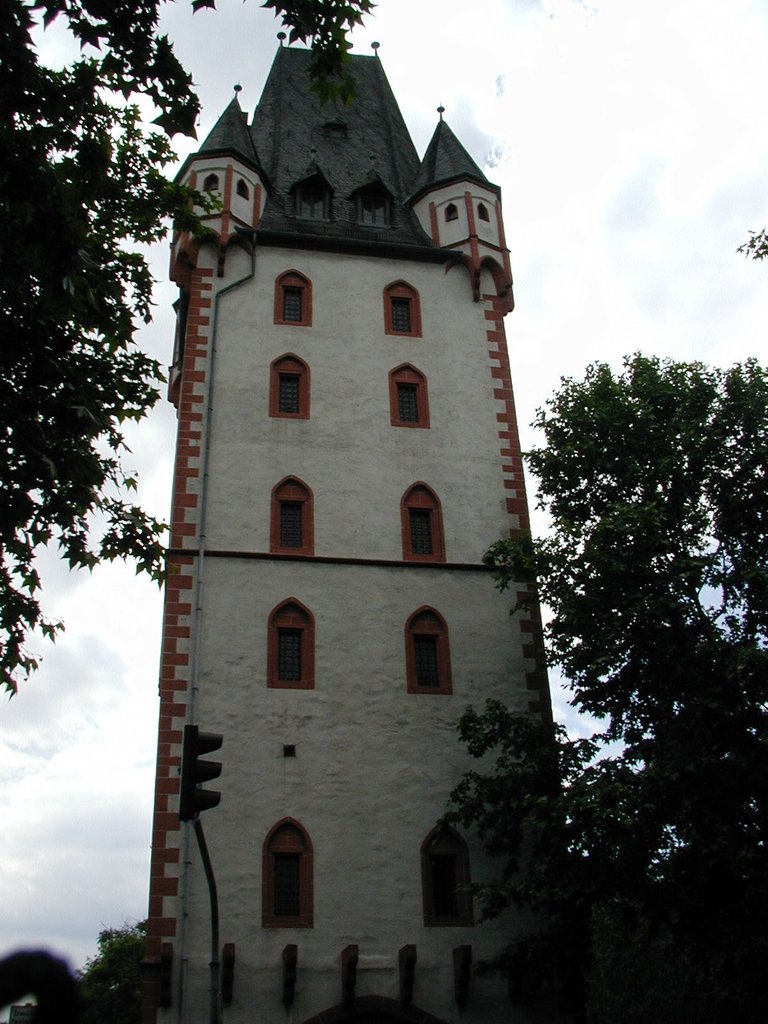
x,y
656,572
110,983
81,188
757,246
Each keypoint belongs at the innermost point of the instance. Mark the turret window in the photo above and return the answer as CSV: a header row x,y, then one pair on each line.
x,y
402,311
293,299
289,388
427,659
451,213
408,397
482,212
242,189
211,183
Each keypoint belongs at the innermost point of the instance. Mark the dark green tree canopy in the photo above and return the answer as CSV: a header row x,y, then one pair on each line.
x,y
81,188
656,573
110,982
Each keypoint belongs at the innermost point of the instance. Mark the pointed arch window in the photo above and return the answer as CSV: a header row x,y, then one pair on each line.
x,y
451,212
422,525
242,189
289,388
293,299
287,877
408,401
291,523
211,183
427,655
482,212
291,647
446,881
402,310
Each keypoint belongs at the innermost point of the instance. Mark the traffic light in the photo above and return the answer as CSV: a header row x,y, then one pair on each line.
x,y
192,797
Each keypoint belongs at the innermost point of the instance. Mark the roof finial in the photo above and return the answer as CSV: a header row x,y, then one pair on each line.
x,y
375,47
238,88
281,37
441,111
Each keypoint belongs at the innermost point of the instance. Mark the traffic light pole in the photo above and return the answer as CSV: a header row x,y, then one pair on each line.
x,y
214,1012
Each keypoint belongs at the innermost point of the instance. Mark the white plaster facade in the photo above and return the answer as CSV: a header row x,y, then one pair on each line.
x,y
374,764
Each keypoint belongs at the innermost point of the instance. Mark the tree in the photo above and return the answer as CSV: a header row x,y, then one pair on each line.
x,y
82,186
651,836
110,983
757,246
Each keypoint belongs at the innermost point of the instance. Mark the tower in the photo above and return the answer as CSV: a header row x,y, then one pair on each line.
x,y
347,449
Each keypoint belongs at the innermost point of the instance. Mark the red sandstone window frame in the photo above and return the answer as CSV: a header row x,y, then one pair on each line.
x,y
401,291
406,374
292,279
287,838
445,843
421,498
428,623
289,365
294,491
291,615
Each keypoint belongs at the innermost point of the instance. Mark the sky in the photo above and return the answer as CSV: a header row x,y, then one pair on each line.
x,y
628,137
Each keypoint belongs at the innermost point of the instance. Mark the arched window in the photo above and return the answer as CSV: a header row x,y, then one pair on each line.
x,y
211,183
291,647
402,310
482,212
242,189
286,875
451,213
422,525
291,526
293,299
289,388
445,878
427,657
408,404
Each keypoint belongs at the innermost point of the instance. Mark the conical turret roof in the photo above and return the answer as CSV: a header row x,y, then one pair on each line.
x,y
446,160
230,134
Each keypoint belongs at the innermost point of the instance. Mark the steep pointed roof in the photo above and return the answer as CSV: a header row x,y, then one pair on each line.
x,y
230,135
351,143
446,160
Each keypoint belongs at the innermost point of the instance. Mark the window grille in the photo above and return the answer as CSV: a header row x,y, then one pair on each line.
x,y
421,531
288,399
289,655
407,403
292,304
290,524
443,875
401,315
425,661
286,891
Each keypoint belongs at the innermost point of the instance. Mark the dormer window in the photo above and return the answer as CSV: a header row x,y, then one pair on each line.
x,y
312,204
374,210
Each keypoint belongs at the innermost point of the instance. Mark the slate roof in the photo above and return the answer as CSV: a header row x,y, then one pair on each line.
x,y
230,134
446,160
363,146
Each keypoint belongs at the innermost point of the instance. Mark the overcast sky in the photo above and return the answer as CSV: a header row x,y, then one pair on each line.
x,y
629,139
